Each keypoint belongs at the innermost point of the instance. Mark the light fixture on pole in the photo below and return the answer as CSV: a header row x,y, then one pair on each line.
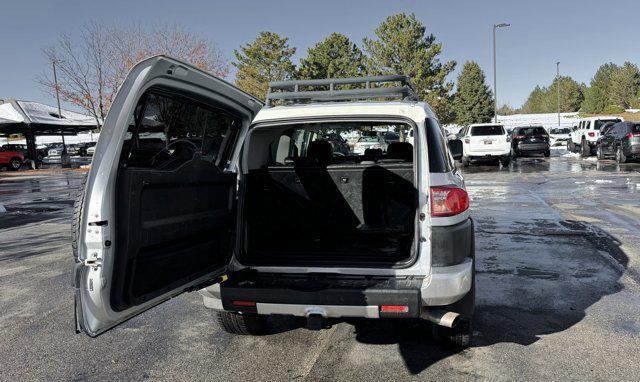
x,y
495,81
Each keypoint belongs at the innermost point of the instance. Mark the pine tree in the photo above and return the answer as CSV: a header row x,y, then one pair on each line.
x,y
534,102
597,96
545,99
473,101
624,86
267,58
336,56
402,46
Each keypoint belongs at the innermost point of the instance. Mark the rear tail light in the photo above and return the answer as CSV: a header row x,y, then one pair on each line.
x,y
519,136
394,309
467,140
592,134
448,201
244,303
629,135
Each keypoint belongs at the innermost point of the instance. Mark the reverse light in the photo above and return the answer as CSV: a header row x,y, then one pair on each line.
x,y
448,201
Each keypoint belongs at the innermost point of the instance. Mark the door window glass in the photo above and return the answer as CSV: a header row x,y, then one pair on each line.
x,y
170,130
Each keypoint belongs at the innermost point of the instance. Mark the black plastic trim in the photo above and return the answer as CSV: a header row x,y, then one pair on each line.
x,y
451,245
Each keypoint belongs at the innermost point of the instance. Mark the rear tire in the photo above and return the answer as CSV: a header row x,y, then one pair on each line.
x,y
547,153
456,338
514,153
620,157
244,324
599,153
570,146
504,162
465,162
15,164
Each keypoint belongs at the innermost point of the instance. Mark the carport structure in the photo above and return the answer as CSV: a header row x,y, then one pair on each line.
x,y
32,119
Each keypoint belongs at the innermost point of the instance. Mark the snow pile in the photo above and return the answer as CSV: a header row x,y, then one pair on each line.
x,y
548,120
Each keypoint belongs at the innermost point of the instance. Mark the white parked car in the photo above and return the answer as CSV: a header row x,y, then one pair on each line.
x,y
559,136
370,140
485,142
257,213
585,135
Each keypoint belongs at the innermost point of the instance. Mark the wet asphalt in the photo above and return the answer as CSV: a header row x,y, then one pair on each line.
x,y
558,298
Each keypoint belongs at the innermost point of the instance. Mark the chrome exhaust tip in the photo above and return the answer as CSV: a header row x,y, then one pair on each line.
x,y
441,317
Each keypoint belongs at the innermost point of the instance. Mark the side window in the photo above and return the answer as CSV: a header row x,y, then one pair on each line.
x,y
168,130
437,151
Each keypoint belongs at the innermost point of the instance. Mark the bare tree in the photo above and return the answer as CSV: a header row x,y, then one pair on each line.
x,y
92,68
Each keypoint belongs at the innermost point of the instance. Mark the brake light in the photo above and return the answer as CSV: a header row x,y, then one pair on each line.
x,y
448,201
467,140
629,135
592,134
519,136
394,308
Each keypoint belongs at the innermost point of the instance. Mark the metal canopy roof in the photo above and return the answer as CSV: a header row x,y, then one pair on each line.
x,y
20,117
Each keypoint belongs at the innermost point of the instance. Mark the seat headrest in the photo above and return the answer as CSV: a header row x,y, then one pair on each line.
x,y
400,150
320,151
374,153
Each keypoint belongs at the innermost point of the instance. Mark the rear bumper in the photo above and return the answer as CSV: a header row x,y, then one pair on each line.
x,y
445,286
532,147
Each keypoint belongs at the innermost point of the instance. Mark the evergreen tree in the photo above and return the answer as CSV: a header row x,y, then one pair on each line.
x,y
534,103
473,101
571,95
336,56
624,86
596,97
402,46
267,58
545,99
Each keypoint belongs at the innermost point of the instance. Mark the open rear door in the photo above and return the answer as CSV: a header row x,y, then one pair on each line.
x,y
159,208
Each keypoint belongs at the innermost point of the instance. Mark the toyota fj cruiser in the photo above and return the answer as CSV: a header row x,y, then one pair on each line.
x,y
196,186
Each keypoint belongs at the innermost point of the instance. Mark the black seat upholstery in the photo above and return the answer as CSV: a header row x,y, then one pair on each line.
x,y
320,152
400,150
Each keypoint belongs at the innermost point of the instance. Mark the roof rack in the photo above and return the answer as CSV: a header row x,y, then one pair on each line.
x,y
399,88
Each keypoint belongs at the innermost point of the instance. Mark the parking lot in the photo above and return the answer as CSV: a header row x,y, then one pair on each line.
x,y
558,294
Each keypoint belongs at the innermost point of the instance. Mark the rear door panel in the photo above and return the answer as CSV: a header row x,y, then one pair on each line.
x,y
154,226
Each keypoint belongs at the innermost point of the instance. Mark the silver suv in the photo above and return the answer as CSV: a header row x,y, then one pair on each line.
x,y
196,185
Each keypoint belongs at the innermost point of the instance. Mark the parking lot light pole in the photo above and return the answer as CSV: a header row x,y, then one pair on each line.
x,y
558,86
495,81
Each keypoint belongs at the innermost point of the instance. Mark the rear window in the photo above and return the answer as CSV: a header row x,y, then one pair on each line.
x,y
529,131
560,131
487,130
601,122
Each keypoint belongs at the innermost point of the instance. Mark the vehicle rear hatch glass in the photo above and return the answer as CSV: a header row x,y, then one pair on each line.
x,y
487,130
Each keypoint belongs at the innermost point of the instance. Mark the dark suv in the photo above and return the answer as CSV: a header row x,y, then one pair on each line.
x,y
527,140
622,140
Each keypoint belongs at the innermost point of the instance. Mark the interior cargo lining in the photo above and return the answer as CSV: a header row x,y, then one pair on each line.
x,y
356,214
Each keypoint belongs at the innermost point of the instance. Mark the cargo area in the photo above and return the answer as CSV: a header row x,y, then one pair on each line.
x,y
309,200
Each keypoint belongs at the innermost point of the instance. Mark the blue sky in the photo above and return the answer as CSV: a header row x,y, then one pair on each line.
x,y
580,34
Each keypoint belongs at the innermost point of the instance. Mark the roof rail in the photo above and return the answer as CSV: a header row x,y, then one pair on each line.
x,y
400,88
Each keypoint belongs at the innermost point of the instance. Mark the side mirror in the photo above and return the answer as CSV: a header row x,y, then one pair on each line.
x,y
455,146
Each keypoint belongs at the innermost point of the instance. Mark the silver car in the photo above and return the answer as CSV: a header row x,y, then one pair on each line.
x,y
212,191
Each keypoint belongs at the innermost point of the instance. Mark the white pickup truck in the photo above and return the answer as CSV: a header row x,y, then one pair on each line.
x,y
585,136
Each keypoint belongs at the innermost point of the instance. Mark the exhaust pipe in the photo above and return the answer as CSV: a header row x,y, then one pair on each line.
x,y
441,317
